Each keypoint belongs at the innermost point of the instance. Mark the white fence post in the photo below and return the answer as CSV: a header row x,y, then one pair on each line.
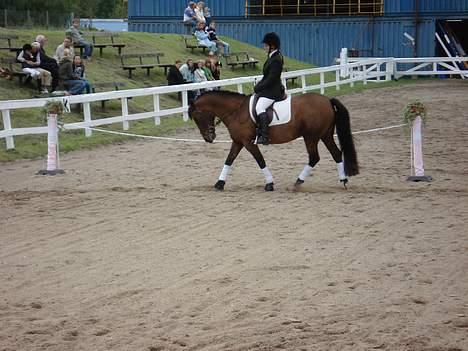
x,y
337,80
322,82
344,70
125,123
304,84
87,118
416,153
157,108
240,89
389,65
10,142
185,115
53,166
364,74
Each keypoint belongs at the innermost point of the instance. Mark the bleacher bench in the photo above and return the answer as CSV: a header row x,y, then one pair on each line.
x,y
192,43
131,62
105,86
6,43
292,79
240,58
14,68
100,40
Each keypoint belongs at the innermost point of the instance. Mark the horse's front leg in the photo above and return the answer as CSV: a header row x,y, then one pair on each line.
x,y
255,151
235,149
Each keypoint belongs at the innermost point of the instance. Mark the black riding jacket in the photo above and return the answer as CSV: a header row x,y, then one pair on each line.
x,y
270,86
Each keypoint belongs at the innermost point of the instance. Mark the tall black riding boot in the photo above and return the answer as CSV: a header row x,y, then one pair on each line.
x,y
262,136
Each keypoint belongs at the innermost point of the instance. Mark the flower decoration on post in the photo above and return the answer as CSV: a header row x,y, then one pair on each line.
x,y
414,116
53,109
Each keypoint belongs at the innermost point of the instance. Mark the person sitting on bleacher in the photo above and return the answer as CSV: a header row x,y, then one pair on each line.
x,y
174,77
200,12
79,71
203,37
30,58
187,70
190,18
48,63
67,44
211,30
215,65
72,83
77,38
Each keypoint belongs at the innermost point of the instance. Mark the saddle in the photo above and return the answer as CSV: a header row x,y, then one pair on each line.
x,y
271,112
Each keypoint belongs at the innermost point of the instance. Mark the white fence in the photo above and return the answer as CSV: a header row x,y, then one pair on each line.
x,y
377,69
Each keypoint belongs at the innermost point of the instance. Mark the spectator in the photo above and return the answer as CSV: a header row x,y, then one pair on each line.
x,y
187,70
214,38
72,83
67,44
48,63
79,71
215,65
200,12
190,17
77,38
203,38
30,58
207,14
207,70
174,77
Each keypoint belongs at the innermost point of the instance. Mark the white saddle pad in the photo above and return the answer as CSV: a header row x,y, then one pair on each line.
x,y
281,111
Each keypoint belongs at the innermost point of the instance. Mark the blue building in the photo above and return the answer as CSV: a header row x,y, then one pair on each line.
x,y
315,30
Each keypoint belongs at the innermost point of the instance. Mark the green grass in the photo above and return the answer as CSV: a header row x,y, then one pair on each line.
x,y
107,69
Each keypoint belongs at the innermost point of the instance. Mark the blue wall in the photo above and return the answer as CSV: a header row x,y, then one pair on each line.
x,y
236,8
314,40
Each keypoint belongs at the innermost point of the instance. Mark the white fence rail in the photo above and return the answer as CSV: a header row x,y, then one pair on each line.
x,y
372,69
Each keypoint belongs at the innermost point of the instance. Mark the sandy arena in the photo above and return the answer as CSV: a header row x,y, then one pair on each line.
x,y
132,250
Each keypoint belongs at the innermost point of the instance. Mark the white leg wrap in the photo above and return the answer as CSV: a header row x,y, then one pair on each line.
x,y
341,172
268,175
305,172
224,172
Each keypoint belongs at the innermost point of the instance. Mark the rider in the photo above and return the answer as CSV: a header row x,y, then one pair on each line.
x,y
269,89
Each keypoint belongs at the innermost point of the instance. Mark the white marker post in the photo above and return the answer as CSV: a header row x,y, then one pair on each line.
x,y
53,163
417,164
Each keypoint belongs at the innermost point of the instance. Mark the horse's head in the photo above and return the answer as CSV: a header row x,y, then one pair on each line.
x,y
204,120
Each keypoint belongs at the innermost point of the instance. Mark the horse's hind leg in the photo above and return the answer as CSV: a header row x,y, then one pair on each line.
x,y
337,156
255,151
235,149
312,150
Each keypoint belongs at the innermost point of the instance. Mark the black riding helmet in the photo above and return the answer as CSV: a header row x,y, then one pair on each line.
x,y
272,39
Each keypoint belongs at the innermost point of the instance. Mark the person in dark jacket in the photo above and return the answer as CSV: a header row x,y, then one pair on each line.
x,y
48,63
174,77
270,88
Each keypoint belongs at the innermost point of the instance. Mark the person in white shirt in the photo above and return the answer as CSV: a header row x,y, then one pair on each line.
x,y
67,44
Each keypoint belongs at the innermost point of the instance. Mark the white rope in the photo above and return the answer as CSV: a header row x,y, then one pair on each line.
x,y
216,141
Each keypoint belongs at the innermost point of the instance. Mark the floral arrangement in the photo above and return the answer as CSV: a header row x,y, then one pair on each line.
x,y
53,107
412,110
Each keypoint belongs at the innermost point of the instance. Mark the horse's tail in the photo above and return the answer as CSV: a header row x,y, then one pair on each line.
x,y
343,129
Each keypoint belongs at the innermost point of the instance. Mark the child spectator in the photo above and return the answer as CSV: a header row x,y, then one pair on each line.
x,y
203,38
30,58
199,12
207,70
79,72
211,30
67,44
199,73
72,83
207,14
215,65
77,38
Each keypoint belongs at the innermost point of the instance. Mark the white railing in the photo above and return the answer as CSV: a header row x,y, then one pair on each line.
x,y
372,69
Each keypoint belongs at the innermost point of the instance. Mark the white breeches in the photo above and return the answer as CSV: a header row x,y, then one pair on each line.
x,y
262,104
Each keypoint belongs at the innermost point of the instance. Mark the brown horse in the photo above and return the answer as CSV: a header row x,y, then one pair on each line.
x,y
314,117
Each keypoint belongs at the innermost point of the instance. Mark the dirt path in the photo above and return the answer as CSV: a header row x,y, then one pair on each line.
x,y
132,250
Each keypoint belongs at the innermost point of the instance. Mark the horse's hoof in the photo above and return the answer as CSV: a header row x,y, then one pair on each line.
x,y
269,187
344,182
220,185
298,182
